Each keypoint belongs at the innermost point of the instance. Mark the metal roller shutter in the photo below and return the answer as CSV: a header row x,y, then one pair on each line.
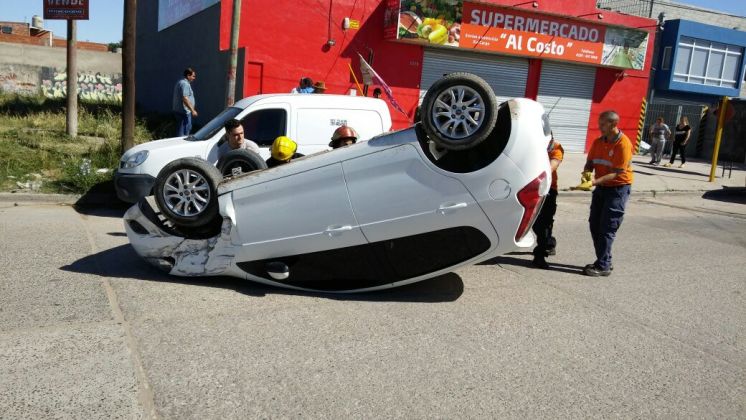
x,y
506,75
566,91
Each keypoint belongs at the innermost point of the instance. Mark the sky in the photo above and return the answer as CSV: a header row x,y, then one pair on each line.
x,y
105,23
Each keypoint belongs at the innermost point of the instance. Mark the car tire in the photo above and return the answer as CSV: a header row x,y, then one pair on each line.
x,y
186,192
245,160
459,111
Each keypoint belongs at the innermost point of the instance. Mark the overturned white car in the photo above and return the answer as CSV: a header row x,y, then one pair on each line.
x,y
462,186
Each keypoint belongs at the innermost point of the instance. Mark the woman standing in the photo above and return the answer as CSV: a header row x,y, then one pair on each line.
x,y
681,138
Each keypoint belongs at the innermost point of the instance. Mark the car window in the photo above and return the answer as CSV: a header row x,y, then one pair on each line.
x,y
215,125
264,125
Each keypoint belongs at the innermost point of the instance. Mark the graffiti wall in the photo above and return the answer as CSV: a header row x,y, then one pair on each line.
x,y
94,87
52,83
18,78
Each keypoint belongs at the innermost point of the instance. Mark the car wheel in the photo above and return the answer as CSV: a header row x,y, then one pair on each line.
x,y
459,111
240,161
186,192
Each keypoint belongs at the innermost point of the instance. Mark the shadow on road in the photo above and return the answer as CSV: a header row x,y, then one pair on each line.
x,y
123,262
519,262
101,200
727,194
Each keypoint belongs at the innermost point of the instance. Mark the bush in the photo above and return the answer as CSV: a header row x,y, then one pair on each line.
x,y
79,175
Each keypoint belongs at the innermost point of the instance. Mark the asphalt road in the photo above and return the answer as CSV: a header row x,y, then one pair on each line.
x,y
88,330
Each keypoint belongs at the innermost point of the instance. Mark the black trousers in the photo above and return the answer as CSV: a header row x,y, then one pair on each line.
x,y
544,224
678,147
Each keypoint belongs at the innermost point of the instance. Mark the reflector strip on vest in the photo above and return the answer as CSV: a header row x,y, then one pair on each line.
x,y
602,162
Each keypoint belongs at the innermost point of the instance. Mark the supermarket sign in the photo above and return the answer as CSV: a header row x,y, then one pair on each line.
x,y
66,9
506,30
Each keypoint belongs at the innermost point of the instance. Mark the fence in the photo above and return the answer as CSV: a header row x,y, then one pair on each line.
x,y
671,114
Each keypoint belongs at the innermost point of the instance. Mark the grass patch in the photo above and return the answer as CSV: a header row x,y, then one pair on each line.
x,y
36,153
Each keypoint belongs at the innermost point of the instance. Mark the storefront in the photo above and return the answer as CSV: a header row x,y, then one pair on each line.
x,y
548,57
575,59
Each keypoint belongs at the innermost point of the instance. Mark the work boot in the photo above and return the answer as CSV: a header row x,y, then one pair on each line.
x,y
595,271
682,165
611,266
667,165
540,262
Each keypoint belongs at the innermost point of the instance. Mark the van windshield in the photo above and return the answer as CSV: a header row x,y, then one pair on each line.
x,y
215,125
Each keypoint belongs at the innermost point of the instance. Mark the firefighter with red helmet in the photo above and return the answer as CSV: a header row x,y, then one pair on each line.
x,y
343,136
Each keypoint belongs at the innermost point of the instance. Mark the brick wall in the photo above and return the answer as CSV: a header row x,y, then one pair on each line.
x,y
81,45
17,28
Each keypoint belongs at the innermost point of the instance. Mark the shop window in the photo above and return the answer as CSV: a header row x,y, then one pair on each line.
x,y
265,125
666,59
707,63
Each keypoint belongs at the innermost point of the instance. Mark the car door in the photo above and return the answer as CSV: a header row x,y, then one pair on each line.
x,y
304,220
422,219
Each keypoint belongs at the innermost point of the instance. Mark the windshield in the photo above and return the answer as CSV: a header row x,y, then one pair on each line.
x,y
215,125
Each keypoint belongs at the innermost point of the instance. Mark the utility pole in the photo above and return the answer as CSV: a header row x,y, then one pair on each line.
x,y
230,94
128,67
72,80
722,110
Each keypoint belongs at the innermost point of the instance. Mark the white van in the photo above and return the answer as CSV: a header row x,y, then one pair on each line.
x,y
310,120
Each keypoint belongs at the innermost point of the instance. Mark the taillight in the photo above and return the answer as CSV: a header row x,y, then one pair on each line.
x,y
531,201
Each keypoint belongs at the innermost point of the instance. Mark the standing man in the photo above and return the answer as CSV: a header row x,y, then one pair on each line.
x,y
545,242
183,104
659,132
610,157
235,139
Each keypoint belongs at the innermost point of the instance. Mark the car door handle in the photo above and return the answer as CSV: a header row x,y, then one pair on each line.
x,y
337,230
450,207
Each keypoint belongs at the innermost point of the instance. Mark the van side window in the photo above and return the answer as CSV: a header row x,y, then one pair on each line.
x,y
264,125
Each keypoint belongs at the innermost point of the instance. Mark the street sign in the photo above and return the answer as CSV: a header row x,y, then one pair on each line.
x,y
66,9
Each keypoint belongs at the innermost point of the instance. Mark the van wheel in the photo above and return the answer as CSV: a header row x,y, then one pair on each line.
x,y
186,192
459,111
240,161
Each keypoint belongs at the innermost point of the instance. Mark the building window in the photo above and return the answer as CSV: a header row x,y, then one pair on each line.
x,y
666,59
7,30
708,63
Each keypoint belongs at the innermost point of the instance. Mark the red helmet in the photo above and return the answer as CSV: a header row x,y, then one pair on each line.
x,y
343,133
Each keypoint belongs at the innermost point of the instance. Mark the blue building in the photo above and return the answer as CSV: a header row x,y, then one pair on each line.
x,y
695,66
699,63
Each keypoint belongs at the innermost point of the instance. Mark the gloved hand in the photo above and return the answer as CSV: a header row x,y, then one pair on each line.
x,y
585,182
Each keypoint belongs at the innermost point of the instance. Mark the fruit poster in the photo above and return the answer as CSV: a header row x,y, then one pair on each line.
x,y
507,30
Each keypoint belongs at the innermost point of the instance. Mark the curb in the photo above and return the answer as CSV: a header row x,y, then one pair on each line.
x,y
640,193
27,197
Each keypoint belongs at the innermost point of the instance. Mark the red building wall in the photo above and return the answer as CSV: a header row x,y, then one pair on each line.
x,y
283,44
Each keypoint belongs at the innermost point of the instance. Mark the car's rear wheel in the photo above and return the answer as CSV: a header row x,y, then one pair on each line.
x,y
459,111
240,161
186,192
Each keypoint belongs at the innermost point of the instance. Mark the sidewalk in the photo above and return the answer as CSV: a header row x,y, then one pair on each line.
x,y
656,179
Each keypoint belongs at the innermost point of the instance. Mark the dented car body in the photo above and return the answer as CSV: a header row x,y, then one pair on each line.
x,y
391,211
